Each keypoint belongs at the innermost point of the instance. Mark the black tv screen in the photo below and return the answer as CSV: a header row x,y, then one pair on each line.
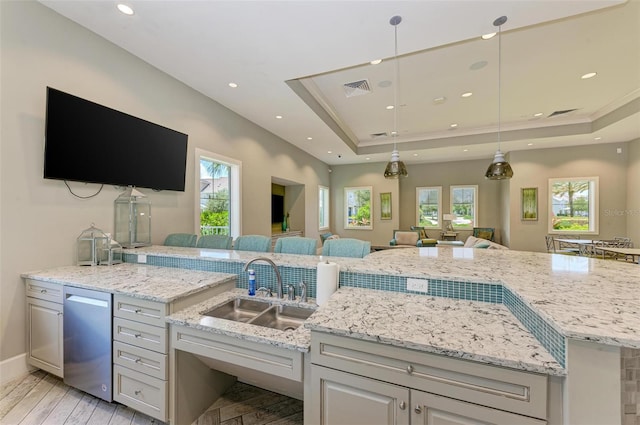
x,y
277,208
88,142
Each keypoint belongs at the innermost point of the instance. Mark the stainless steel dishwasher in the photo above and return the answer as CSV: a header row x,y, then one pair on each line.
x,y
87,341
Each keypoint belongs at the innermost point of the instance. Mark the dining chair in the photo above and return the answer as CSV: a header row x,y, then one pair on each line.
x,y
296,245
214,242
346,247
181,239
257,243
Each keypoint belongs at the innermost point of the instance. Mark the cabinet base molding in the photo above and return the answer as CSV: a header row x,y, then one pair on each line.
x,y
14,367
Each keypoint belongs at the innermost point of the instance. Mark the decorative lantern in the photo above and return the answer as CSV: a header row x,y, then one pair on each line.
x,y
132,219
91,245
111,254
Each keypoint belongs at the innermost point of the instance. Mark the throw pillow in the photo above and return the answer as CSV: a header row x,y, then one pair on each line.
x,y
484,234
423,234
482,245
333,237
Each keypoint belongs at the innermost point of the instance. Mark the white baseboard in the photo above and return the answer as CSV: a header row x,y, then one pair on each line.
x,y
13,368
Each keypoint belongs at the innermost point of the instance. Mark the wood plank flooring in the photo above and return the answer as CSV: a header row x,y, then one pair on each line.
x,y
43,399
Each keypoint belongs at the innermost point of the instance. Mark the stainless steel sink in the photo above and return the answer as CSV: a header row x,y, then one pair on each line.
x,y
238,309
282,317
261,313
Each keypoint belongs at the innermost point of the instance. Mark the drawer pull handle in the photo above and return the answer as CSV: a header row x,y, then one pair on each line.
x,y
402,405
409,369
137,335
138,310
137,392
43,291
138,360
418,409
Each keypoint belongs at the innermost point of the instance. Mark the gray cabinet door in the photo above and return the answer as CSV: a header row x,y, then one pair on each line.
x,y
432,409
44,323
341,398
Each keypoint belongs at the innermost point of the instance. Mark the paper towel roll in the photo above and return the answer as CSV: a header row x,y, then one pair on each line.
x,y
327,279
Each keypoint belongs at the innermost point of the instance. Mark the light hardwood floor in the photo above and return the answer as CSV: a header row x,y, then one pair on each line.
x,y
41,398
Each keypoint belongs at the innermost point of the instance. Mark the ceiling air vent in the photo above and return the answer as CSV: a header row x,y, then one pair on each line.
x,y
379,135
566,111
357,88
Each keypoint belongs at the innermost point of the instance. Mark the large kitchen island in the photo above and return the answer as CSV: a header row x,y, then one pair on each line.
x,y
499,335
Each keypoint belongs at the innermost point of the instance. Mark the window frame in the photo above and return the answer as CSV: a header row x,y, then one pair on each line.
x,y
324,203
474,223
439,203
235,183
594,196
347,225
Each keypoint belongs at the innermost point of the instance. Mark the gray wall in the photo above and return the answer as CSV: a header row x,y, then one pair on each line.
x,y
40,220
633,193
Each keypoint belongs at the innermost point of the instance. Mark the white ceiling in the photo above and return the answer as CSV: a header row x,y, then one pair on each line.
x,y
291,58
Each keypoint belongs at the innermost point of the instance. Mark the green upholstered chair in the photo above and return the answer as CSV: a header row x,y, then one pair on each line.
x,y
426,240
296,245
346,247
258,243
487,233
215,241
181,239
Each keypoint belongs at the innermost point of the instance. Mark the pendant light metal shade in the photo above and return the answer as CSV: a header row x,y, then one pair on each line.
x,y
499,168
395,168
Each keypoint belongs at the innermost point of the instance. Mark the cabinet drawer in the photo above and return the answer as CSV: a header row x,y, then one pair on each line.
x,y
44,290
506,389
140,359
140,392
140,334
149,312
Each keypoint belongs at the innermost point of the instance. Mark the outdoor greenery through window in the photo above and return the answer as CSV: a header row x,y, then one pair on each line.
x,y
358,205
464,205
573,205
218,195
323,207
429,207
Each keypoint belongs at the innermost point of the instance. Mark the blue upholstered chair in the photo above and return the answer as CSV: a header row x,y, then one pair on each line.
x,y
258,243
346,247
296,245
215,242
181,239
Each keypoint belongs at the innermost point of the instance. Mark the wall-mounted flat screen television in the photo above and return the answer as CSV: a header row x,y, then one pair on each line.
x,y
277,208
91,143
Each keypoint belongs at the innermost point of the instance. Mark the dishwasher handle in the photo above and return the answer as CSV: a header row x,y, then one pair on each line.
x,y
86,300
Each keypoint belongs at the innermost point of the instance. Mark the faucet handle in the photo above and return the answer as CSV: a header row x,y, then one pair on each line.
x,y
267,291
291,292
303,291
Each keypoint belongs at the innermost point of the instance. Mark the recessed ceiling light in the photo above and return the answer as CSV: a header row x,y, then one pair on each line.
x,y
488,36
529,144
309,138
478,65
538,114
415,154
384,84
597,138
390,107
233,85
376,62
439,100
589,75
278,117
467,94
368,158
465,150
454,125
329,152
127,10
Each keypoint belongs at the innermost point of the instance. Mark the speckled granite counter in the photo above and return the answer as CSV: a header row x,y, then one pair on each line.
x,y
472,330
153,283
298,339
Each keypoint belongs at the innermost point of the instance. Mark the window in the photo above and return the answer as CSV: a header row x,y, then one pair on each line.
x,y
358,205
323,208
573,205
464,205
218,197
429,207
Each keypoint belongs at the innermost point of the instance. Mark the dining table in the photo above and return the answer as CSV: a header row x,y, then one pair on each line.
x,y
634,253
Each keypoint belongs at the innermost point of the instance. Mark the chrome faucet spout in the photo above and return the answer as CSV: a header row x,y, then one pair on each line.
x,y
279,288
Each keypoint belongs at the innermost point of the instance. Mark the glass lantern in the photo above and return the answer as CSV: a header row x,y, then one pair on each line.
x,y
91,245
110,254
132,219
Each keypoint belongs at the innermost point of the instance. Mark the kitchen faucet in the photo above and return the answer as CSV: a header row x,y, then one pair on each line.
x,y
275,269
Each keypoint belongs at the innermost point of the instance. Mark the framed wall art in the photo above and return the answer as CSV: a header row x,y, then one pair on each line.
x,y
385,206
529,203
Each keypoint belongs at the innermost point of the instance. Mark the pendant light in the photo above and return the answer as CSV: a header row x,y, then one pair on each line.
x,y
499,168
395,168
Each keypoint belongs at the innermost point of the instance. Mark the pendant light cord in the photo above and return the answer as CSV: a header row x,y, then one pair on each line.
x,y
395,88
499,81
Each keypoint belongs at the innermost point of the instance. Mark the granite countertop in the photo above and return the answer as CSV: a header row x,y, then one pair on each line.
x,y
298,339
471,330
152,283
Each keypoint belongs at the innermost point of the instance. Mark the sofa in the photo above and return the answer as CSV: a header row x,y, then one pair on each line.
x,y
473,242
